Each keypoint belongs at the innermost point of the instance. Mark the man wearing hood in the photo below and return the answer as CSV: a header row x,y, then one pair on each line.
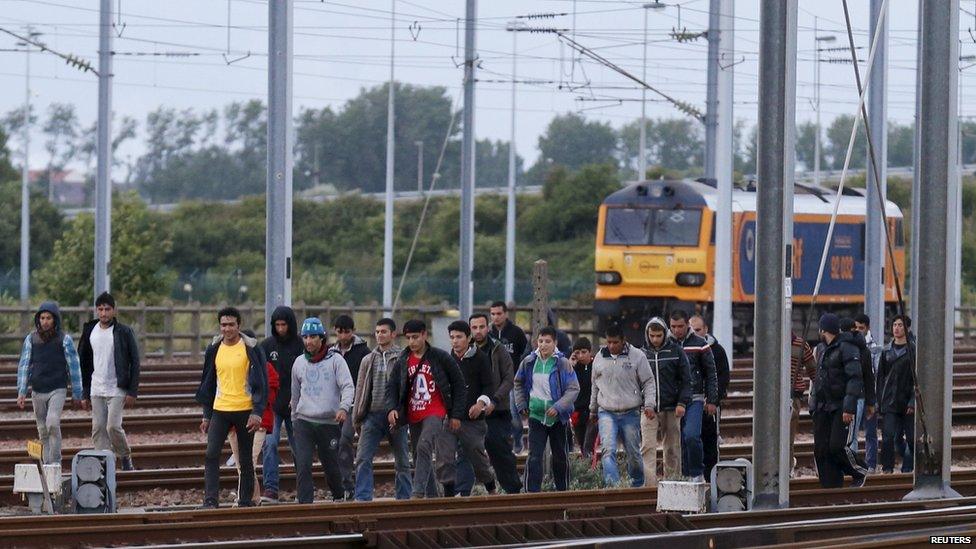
x,y
837,388
322,397
48,364
233,391
672,377
353,350
281,348
369,415
623,389
109,358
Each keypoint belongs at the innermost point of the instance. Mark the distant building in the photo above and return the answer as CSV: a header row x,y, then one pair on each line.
x,y
67,187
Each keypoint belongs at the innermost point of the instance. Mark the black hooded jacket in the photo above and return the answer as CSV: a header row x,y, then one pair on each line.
x,y
838,384
513,338
354,355
282,352
672,372
896,387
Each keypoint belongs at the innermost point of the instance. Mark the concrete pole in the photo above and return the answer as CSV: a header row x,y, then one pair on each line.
x,y
467,165
642,147
388,209
25,188
711,88
510,212
875,228
280,140
103,175
916,181
938,35
774,227
722,163
420,166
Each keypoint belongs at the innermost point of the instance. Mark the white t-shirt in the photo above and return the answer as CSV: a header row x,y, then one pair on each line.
x,y
104,382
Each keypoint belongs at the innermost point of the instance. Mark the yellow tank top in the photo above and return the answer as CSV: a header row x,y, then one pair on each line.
x,y
233,394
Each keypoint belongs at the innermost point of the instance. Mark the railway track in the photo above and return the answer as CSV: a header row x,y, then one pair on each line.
x,y
605,514
732,426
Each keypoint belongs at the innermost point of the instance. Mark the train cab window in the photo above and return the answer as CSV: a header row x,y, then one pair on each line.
x,y
899,233
652,227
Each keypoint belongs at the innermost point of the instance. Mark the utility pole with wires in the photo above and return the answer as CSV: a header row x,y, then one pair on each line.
x,y
388,207
720,157
103,173
512,27
817,40
25,176
774,229
278,239
932,300
877,182
466,267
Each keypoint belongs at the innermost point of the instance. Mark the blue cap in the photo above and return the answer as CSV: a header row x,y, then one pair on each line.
x,y
830,323
312,326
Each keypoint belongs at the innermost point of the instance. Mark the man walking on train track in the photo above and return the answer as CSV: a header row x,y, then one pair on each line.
x,y
704,394
109,359
425,391
837,388
623,388
233,391
322,396
49,365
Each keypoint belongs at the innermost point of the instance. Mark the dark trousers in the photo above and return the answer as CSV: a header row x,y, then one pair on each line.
x,y
220,425
324,438
539,435
831,449
498,444
709,437
897,431
585,432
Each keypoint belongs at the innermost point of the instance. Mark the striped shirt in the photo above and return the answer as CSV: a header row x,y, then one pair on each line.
x,y
803,365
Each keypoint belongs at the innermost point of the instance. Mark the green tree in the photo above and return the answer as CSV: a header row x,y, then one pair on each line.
x,y
139,248
7,171
901,143
806,146
572,141
61,130
45,227
570,203
838,136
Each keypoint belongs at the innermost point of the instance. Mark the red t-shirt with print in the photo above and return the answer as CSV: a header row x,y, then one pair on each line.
x,y
425,396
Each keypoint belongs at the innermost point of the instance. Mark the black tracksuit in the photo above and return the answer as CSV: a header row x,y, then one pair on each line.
x,y
584,430
710,423
836,390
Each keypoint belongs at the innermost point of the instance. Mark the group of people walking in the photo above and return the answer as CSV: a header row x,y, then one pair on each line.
x,y
857,385
456,417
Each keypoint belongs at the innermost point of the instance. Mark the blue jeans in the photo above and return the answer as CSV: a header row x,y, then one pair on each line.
x,y
374,429
692,451
627,425
271,458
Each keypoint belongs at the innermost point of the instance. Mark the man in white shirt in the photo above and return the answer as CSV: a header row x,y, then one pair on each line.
x,y
110,374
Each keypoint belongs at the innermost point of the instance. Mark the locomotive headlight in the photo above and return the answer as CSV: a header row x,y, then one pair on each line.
x,y
690,279
608,277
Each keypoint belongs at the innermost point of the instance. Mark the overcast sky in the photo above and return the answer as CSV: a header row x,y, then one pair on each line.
x,y
343,46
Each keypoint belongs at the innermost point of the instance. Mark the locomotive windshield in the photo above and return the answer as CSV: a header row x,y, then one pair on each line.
x,y
652,227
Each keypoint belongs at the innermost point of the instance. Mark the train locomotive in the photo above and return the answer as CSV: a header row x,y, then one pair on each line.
x,y
655,251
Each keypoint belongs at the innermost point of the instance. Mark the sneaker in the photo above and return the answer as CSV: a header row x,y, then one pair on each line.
x,y
246,504
209,504
873,471
859,481
127,464
699,478
269,497
231,462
